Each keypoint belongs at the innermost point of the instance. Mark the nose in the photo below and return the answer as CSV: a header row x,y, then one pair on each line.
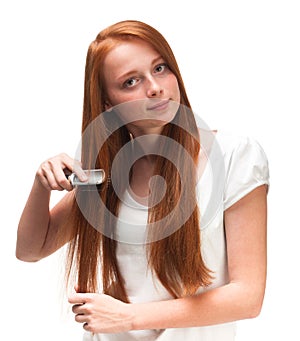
x,y
154,88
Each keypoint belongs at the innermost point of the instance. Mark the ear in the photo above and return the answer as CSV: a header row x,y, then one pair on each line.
x,y
107,106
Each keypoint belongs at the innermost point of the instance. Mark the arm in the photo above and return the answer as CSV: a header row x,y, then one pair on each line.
x,y
241,298
38,226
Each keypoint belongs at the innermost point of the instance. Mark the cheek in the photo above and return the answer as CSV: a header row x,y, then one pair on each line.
x,y
174,88
118,98
130,111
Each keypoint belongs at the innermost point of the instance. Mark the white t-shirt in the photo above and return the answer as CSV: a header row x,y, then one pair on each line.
x,y
236,166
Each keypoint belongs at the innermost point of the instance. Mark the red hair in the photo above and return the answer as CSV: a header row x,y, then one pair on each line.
x,y
175,259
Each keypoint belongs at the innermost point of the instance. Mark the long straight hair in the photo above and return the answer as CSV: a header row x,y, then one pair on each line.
x,y
176,259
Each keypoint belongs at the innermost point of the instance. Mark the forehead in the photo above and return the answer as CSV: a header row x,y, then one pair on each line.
x,y
129,55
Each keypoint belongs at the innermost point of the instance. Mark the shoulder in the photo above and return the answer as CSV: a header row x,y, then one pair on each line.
x,y
241,151
231,143
232,150
245,165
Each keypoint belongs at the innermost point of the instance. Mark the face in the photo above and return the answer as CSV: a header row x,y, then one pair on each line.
x,y
137,75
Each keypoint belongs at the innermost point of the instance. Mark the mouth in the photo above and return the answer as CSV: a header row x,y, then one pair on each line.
x,y
160,105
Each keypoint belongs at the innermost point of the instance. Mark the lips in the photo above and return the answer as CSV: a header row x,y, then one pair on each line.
x,y
159,105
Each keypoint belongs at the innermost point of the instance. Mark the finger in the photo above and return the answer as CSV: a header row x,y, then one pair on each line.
x,y
74,166
80,172
43,180
74,299
87,327
78,298
78,308
80,318
47,174
57,165
60,177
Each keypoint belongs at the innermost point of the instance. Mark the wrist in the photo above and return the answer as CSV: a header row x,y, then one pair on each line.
x,y
147,315
39,186
131,314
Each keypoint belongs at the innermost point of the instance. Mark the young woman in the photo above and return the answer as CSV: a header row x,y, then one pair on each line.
x,y
174,259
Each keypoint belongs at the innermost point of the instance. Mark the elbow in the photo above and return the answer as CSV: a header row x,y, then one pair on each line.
x,y
26,256
249,300
254,306
27,252
254,311
250,295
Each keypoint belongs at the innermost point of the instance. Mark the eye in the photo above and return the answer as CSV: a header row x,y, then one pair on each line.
x,y
130,82
161,68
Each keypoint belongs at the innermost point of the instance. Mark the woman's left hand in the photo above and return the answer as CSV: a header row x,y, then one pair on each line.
x,y
101,313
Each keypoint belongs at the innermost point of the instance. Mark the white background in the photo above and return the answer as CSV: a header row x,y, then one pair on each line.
x,y
240,64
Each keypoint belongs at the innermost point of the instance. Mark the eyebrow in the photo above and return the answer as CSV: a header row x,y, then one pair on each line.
x,y
129,73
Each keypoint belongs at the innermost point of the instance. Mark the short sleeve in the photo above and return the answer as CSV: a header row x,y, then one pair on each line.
x,y
247,169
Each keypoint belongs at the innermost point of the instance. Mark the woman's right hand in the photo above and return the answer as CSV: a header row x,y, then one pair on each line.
x,y
52,172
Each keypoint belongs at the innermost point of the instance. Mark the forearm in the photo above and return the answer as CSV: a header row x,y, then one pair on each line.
x,y
242,298
33,225
225,304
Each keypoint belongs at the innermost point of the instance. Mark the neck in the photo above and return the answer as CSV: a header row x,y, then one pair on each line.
x,y
146,144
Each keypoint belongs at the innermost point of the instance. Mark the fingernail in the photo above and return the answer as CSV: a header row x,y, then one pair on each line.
x,y
83,177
